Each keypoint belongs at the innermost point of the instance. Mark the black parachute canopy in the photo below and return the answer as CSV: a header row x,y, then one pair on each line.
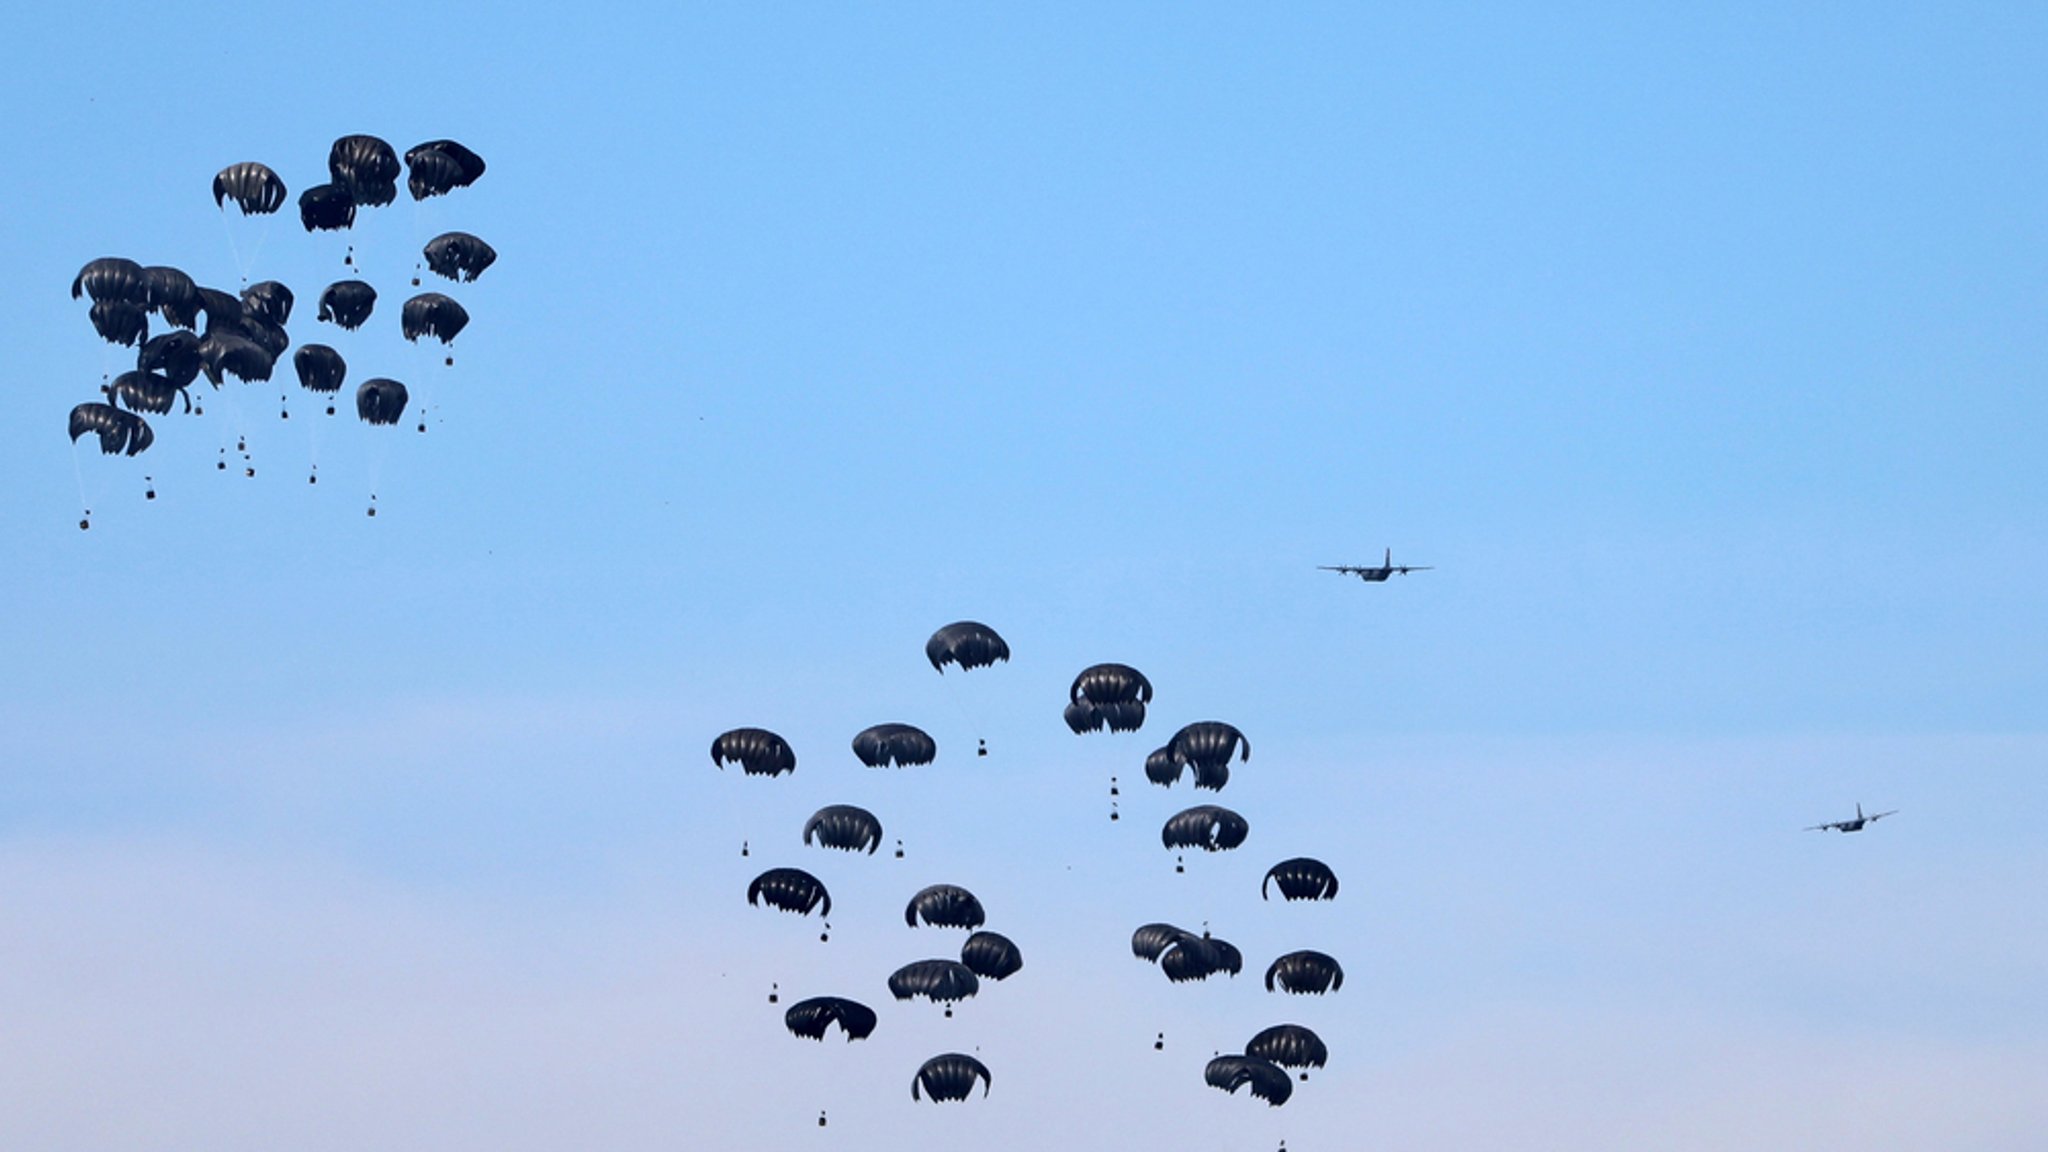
x,y
140,391
991,956
1305,973
1200,957
367,167
894,745
845,827
433,314
327,208
253,187
1111,696
940,981
120,321
111,278
810,1018
469,165
120,433
950,1077
320,368
1206,826
945,906
1266,1079
1301,878
171,294
175,354
347,303
1290,1046
1151,941
790,889
225,353
431,173
458,256
381,401
968,644
1207,746
757,751
268,299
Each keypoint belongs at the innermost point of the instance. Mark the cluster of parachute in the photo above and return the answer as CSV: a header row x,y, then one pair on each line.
x,y
241,335
849,828
1103,698
1113,697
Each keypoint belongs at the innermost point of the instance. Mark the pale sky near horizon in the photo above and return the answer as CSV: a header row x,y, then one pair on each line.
x,y
1698,354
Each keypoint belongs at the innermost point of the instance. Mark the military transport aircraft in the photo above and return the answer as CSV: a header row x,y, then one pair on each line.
x,y
1375,575
1855,825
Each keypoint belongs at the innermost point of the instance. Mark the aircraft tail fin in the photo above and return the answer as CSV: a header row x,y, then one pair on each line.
x,y
1389,561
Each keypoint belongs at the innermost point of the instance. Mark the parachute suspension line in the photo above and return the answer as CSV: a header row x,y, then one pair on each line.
x,y
245,264
424,375
84,504
316,435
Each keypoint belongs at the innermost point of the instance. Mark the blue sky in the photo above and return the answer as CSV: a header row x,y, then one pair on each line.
x,y
1699,353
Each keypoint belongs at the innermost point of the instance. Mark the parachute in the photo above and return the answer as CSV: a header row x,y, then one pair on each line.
x,y
175,354
269,300
1305,973
1205,826
120,433
432,173
1301,878
458,256
809,1018
1208,746
320,368
1266,1079
224,354
171,294
991,956
1111,696
347,303
845,827
940,981
468,165
432,314
966,643
1290,1046
1184,956
120,321
380,401
141,391
253,187
790,889
111,278
1161,768
1200,957
894,745
327,208
950,1077
367,167
1151,941
944,906
757,751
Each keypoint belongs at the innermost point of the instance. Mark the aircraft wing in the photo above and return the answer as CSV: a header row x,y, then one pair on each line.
x,y
1404,569
1346,569
1882,815
1836,826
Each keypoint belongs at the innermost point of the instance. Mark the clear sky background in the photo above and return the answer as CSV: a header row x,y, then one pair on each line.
x,y
1701,354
